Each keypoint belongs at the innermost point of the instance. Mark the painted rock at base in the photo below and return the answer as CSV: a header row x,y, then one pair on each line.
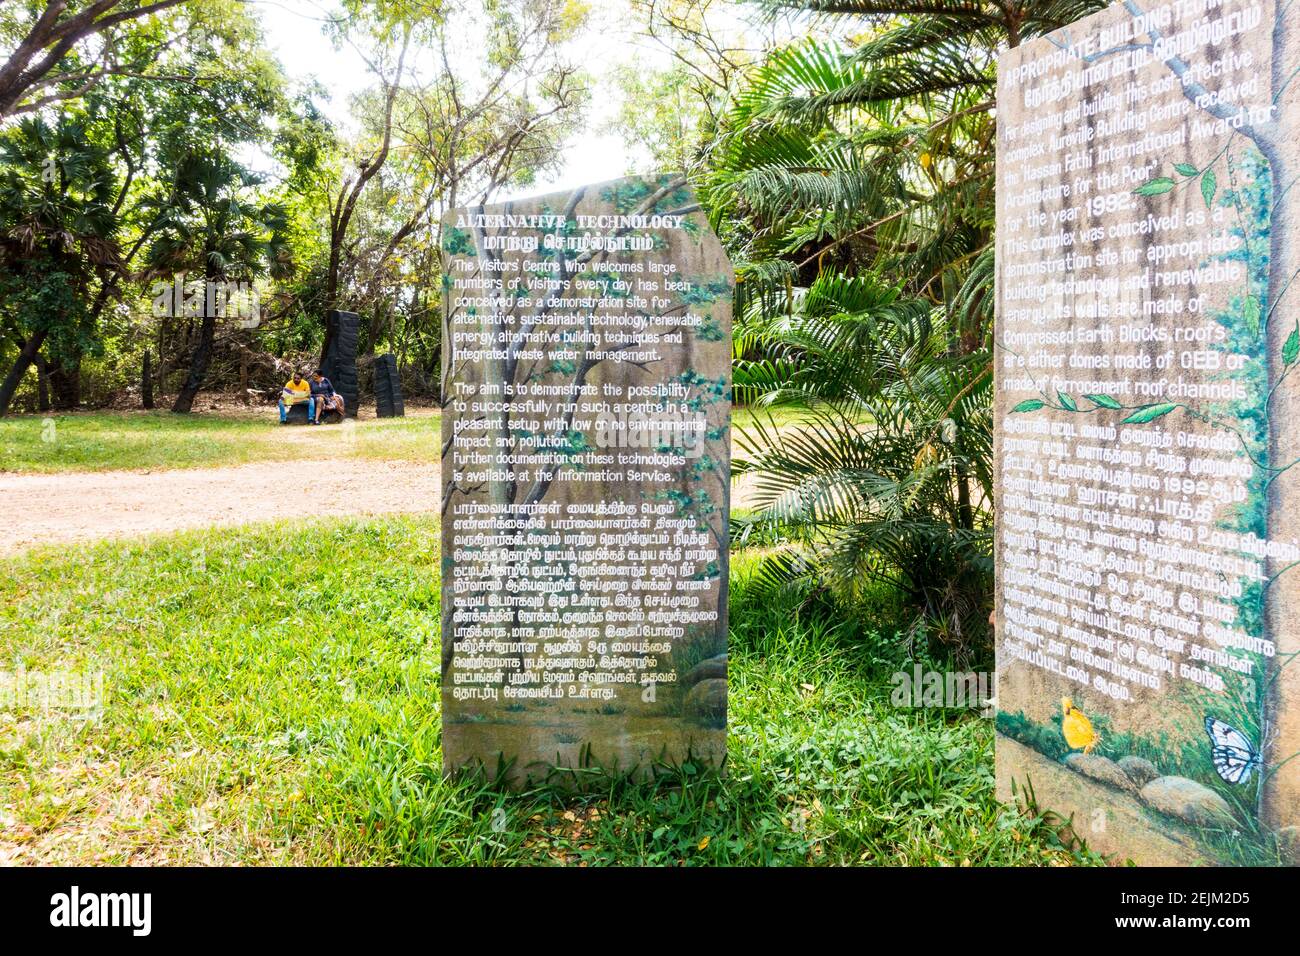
x,y
1100,768
1140,770
1188,800
707,700
714,668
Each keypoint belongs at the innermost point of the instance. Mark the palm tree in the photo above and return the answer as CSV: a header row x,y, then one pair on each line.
x,y
211,221
856,181
875,483
879,154
57,240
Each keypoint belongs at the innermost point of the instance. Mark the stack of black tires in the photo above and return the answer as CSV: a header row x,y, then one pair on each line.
x,y
341,357
388,388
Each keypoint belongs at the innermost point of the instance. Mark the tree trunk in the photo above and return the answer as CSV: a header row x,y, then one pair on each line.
x,y
162,358
65,383
965,512
199,364
31,348
42,384
146,381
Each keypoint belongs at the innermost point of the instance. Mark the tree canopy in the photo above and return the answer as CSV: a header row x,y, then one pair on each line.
x,y
153,152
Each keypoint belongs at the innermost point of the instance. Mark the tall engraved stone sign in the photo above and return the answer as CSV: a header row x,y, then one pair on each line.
x,y
586,463
1148,428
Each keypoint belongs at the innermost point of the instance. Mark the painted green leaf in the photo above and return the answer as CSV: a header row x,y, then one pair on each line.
x,y
1186,169
1103,401
1029,405
1155,187
1149,413
1251,314
1067,402
1291,347
1209,187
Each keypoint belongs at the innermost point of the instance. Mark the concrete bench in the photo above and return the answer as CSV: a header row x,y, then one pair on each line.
x,y
297,415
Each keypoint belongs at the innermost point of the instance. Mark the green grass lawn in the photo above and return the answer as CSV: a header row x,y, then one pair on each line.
x,y
103,441
255,716
107,441
778,416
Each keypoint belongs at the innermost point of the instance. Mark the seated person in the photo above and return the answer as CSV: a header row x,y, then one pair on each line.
x,y
295,392
323,394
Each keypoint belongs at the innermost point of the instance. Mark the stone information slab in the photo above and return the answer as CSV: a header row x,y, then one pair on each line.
x,y
1148,429
586,466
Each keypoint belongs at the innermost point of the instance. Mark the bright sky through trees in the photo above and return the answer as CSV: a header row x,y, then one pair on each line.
x,y
294,31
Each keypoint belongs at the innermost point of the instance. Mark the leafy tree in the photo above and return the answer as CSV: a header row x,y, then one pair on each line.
x,y
438,132
855,179
165,88
875,483
59,49
58,239
711,54
661,113
191,91
211,221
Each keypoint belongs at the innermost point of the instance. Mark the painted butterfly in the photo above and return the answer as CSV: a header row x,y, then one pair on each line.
x,y
1235,757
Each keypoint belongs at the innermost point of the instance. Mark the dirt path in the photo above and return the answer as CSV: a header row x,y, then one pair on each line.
x,y
87,506
78,506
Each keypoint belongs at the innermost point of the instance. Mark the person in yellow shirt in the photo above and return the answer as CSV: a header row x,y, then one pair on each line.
x,y
296,391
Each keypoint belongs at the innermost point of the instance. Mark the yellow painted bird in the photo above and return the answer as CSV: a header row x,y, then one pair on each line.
x,y
1077,728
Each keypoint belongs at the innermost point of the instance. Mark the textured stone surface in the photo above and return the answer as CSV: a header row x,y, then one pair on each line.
x,y
1113,822
1188,800
578,328
1288,839
1118,181
713,667
1100,768
707,700
1139,770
